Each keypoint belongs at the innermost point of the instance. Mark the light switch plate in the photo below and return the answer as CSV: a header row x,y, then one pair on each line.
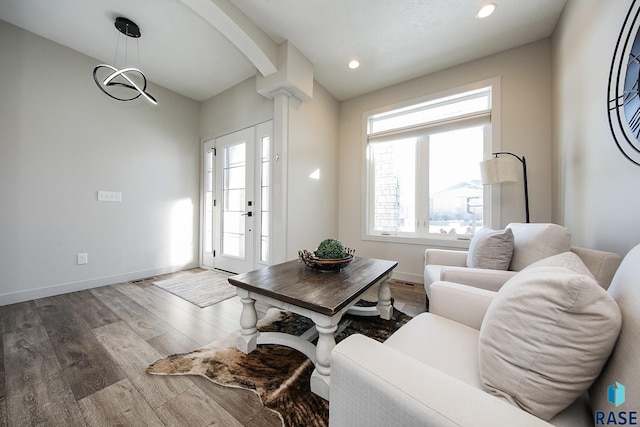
x,y
109,196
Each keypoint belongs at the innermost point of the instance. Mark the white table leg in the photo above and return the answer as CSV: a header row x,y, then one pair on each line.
x,y
384,300
248,338
326,342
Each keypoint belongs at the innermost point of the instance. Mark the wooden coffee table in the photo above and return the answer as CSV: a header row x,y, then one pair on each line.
x,y
321,296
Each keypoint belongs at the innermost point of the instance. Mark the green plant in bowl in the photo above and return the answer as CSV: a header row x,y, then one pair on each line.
x,y
331,249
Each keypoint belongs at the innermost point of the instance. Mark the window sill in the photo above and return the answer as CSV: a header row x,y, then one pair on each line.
x,y
446,242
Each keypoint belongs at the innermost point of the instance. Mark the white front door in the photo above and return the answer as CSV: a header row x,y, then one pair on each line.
x,y
236,193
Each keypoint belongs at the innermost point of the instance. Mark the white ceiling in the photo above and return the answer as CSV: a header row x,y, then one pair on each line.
x,y
394,40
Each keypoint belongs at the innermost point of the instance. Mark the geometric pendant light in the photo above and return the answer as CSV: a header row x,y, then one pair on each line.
x,y
127,83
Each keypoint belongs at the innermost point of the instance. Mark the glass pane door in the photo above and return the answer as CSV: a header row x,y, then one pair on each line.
x,y
233,200
235,169
208,208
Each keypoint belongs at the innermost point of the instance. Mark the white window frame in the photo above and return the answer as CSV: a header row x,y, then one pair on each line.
x,y
492,205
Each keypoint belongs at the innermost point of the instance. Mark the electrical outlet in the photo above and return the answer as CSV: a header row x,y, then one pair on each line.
x,y
83,258
109,196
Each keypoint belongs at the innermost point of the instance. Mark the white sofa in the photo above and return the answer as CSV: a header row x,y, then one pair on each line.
x,y
531,242
428,374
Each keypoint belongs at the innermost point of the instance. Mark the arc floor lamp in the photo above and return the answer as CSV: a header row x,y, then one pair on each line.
x,y
500,169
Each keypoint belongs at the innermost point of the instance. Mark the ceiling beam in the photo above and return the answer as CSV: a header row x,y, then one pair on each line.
x,y
294,76
240,30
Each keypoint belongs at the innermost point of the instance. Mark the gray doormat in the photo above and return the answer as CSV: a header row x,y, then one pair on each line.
x,y
200,287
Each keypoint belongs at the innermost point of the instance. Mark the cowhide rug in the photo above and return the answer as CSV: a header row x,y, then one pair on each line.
x,y
278,374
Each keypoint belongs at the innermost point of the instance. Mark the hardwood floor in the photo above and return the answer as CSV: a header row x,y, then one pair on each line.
x,y
79,359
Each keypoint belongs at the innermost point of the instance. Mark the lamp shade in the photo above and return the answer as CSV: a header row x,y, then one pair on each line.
x,y
497,170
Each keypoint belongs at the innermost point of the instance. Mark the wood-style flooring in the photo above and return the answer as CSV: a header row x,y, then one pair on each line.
x,y
79,359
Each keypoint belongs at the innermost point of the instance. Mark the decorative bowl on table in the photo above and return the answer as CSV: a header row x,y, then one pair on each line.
x,y
325,264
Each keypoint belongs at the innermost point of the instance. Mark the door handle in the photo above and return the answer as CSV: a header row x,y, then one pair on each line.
x,y
247,214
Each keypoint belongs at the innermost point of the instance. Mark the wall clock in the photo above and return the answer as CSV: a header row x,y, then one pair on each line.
x,y
624,88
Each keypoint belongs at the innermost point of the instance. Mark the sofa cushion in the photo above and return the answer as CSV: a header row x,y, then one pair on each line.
x,y
441,343
545,338
491,249
533,242
567,260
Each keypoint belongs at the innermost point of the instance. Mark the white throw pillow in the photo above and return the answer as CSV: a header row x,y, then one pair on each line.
x,y
533,242
545,338
567,260
491,249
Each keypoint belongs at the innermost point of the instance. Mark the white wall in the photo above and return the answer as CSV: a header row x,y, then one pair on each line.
x,y
597,188
62,140
235,109
525,74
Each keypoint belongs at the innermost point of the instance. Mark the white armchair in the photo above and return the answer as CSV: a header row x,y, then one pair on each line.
x,y
428,374
531,242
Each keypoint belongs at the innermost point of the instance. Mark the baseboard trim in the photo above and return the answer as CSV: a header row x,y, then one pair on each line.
x,y
407,277
64,288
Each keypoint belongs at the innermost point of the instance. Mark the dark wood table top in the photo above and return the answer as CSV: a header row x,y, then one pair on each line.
x,y
323,292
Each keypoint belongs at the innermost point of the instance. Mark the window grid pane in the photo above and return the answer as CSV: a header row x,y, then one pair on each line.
x,y
394,199
456,193
432,111
265,201
208,236
233,200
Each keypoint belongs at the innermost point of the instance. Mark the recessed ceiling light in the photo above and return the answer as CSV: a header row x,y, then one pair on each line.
x,y
354,63
486,10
